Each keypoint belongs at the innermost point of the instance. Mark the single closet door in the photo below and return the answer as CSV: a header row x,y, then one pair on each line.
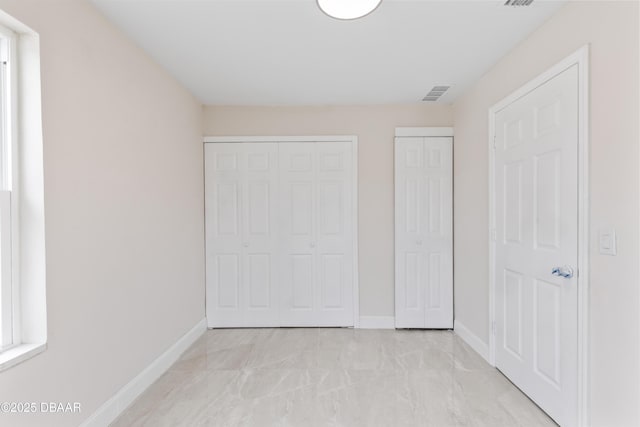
x,y
317,234
424,232
241,186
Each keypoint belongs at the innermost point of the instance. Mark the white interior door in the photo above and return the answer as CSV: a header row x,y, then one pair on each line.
x,y
536,211
424,232
317,234
241,234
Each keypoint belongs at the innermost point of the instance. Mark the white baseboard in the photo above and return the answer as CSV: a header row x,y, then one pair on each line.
x,y
113,407
377,322
472,339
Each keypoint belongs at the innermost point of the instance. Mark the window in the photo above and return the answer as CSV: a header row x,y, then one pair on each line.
x,y
23,309
8,234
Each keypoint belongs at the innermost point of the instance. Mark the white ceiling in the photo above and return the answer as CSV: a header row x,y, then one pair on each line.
x,y
287,52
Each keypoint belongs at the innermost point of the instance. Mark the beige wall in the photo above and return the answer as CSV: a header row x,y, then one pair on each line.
x,y
611,29
124,212
375,127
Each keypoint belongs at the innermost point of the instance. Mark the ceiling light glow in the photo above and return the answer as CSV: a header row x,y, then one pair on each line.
x,y
348,9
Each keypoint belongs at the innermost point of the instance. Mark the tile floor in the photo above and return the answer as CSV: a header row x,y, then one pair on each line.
x,y
332,377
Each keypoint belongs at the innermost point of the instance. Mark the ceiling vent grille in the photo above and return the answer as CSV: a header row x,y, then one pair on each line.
x,y
518,2
435,93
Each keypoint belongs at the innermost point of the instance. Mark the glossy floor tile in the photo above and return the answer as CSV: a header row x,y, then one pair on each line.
x,y
332,377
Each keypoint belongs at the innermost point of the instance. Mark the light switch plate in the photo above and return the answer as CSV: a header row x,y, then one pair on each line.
x,y
607,242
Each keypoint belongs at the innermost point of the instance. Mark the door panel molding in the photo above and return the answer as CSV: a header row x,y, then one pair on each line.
x,y
546,119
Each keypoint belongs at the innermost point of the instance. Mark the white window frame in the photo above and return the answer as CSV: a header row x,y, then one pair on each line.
x,y
24,294
9,216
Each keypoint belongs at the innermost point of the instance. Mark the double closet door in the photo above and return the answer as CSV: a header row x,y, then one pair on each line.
x,y
279,234
424,232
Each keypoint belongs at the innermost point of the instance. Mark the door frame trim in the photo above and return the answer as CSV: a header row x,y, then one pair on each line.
x,y
581,59
423,132
353,139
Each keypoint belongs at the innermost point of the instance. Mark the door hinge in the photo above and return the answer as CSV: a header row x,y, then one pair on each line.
x,y
492,233
493,327
495,143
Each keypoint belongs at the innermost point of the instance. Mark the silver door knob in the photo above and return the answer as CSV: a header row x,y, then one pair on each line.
x,y
246,244
566,272
312,244
418,242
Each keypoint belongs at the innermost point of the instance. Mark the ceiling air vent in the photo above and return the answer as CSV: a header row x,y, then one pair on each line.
x,y
518,2
435,93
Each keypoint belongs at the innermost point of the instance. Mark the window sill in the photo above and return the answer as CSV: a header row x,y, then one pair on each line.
x,y
19,354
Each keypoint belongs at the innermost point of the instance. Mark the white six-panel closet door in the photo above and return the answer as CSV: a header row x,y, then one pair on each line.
x,y
241,183
424,232
280,234
316,234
